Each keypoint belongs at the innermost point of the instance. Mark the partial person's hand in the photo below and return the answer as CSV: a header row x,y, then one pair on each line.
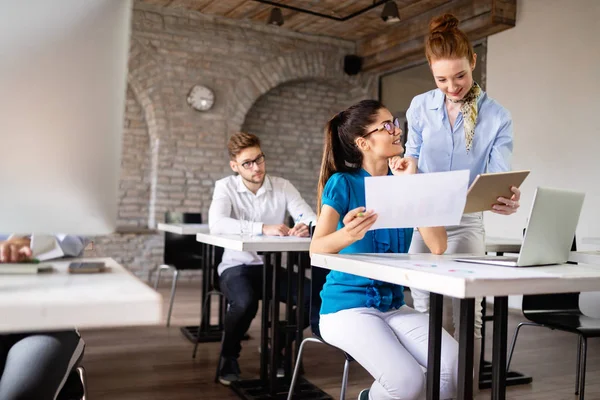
x,y
358,221
15,250
300,230
403,166
276,230
508,206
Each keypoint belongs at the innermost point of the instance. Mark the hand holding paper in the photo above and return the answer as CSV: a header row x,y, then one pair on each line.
x,y
421,200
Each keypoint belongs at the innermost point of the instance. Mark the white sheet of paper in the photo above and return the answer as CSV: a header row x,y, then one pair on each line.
x,y
420,200
45,247
453,268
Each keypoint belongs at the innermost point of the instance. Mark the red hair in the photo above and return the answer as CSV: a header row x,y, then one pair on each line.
x,y
446,41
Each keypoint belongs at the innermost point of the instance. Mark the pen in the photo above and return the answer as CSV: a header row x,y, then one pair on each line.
x,y
298,219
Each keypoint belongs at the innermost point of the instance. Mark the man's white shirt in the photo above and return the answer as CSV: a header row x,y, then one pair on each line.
x,y
232,200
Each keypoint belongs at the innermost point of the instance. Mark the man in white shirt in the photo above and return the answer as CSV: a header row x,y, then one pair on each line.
x,y
257,202
35,365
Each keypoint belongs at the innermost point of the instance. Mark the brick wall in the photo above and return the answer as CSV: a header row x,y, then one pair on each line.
x,y
172,154
134,188
290,120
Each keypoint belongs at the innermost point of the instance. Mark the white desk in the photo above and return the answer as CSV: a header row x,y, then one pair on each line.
x,y
256,243
184,229
595,241
441,275
466,280
502,245
60,300
586,257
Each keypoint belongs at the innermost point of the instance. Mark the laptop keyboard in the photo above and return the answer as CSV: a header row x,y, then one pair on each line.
x,y
497,258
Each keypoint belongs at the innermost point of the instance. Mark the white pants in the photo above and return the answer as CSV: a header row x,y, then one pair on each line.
x,y
392,347
468,237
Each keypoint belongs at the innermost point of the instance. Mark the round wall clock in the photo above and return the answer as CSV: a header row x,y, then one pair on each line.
x,y
201,98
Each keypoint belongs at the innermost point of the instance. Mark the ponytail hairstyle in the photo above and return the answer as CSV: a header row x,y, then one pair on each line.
x,y
446,41
340,153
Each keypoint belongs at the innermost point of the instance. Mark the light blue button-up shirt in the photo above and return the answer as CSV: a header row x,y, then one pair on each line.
x,y
440,147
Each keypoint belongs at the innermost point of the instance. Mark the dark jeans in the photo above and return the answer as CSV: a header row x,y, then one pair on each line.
x,y
242,287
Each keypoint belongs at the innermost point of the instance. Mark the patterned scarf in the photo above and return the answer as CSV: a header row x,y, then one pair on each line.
x,y
469,111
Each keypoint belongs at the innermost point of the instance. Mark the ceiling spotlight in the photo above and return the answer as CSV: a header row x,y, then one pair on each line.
x,y
276,17
390,12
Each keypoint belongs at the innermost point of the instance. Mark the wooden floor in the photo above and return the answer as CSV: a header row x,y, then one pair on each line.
x,y
155,362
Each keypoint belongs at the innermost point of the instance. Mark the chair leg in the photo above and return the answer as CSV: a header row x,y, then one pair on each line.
x,y
345,379
578,365
159,270
203,313
83,377
297,366
514,341
173,288
582,372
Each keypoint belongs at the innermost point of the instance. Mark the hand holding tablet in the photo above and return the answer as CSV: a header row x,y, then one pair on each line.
x,y
487,188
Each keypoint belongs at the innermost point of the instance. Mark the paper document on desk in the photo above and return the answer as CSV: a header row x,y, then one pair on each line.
x,y
420,200
45,247
452,268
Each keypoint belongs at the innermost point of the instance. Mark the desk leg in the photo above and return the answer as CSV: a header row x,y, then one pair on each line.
x,y
264,331
209,252
292,259
465,349
499,351
303,263
269,387
434,351
275,326
207,332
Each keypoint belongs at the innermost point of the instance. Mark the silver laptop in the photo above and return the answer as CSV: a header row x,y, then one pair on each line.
x,y
549,235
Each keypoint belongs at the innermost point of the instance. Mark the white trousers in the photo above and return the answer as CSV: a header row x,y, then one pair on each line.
x,y
392,347
468,237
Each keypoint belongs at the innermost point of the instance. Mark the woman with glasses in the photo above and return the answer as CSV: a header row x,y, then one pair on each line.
x,y
454,127
364,317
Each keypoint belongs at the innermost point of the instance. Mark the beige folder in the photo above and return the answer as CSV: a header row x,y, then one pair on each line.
x,y
486,188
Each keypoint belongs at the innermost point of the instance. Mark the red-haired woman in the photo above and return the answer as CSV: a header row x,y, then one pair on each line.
x,y
454,127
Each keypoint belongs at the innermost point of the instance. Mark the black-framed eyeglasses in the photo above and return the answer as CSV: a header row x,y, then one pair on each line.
x,y
389,126
258,161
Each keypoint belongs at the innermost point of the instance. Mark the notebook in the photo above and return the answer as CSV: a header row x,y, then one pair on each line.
x,y
24,268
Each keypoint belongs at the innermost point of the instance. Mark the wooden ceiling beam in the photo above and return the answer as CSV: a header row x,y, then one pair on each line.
x,y
243,10
381,45
221,7
195,5
405,42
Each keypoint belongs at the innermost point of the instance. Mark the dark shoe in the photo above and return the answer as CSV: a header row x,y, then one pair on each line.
x,y
229,371
280,369
364,394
